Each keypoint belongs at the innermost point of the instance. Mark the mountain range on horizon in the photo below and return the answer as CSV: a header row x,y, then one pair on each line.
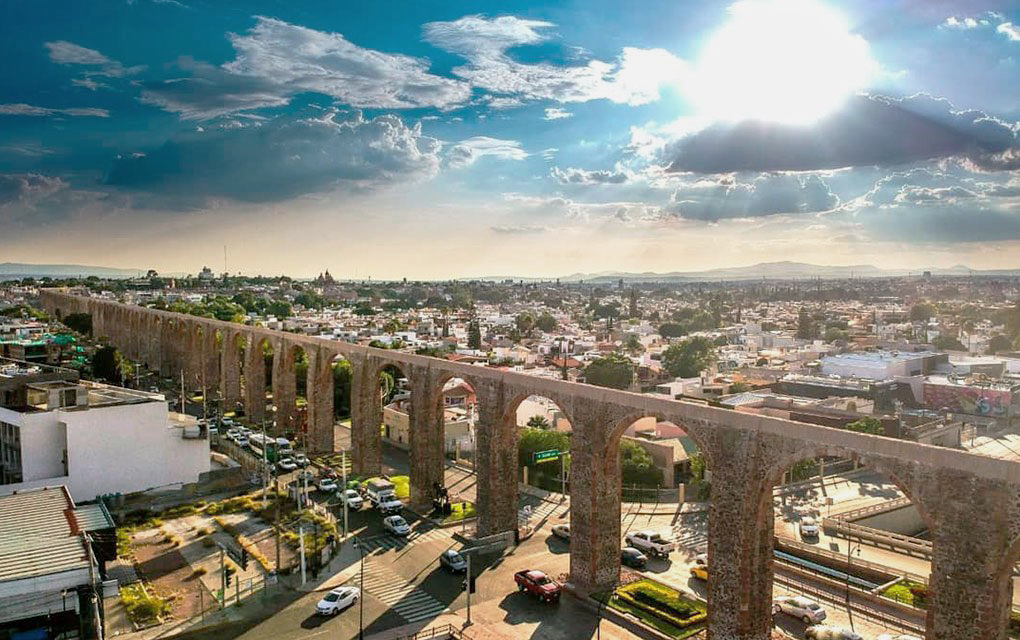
x,y
781,270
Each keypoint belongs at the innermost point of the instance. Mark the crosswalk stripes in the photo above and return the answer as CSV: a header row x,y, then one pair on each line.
x,y
409,602
692,540
388,541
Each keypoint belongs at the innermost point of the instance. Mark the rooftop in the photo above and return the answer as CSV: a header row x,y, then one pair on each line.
x,y
39,534
880,357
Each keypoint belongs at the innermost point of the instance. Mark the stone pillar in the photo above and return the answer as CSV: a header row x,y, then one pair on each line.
x,y
284,388
167,339
594,497
740,528
366,416
496,440
254,380
427,434
973,552
230,372
319,436
210,360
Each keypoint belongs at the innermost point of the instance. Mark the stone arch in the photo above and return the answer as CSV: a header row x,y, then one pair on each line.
x,y
437,393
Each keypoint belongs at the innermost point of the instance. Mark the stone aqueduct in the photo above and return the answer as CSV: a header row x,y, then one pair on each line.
x,y
970,503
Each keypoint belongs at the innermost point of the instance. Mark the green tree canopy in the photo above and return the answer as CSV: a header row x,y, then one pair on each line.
x,y
538,422
637,466
948,343
80,322
546,322
921,312
613,370
867,424
999,343
688,358
474,335
535,440
342,376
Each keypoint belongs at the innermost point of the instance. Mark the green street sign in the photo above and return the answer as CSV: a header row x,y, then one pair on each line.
x,y
545,456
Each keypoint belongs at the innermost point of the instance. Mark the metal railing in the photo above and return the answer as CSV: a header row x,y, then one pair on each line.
x,y
880,507
444,631
841,559
878,538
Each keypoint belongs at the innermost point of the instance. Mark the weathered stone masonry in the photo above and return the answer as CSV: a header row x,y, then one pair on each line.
x,y
971,504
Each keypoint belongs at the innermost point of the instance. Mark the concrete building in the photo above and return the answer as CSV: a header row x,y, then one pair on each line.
x,y
52,559
94,439
882,365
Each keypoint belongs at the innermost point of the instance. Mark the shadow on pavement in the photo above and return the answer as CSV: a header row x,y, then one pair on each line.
x,y
314,621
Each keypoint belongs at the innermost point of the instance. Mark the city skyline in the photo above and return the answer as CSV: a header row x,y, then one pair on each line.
x,y
470,143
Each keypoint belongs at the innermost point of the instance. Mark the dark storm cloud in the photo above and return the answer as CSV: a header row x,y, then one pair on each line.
x,y
766,195
867,130
282,158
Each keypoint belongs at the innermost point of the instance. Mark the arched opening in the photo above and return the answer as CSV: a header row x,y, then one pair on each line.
x,y
343,376
542,426
454,405
1009,583
234,376
395,400
843,533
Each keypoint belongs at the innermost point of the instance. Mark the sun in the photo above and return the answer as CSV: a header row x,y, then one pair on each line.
x,y
789,61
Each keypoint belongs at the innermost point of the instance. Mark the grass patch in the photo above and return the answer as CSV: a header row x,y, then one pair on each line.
x,y
459,512
908,592
124,549
233,505
660,607
401,485
144,607
179,511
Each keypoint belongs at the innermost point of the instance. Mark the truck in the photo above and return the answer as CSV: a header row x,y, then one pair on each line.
x,y
650,542
538,584
383,495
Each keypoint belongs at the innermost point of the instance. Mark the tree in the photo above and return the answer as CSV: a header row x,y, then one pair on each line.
x,y
921,312
633,344
948,343
867,424
474,335
806,327
614,370
999,343
689,358
342,376
739,387
546,323
609,312
538,422
637,466
280,309
534,440
106,365
672,330
80,322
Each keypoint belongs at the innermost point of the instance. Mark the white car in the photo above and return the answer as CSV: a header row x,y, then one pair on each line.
x,y
301,459
327,485
396,525
352,499
242,441
800,607
808,528
561,531
286,464
337,600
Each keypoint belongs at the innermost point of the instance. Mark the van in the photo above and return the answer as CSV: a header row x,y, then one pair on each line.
x,y
283,447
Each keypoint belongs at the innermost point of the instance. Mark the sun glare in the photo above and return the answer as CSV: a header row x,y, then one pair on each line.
x,y
789,61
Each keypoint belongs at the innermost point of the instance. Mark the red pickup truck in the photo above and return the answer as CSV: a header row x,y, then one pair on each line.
x,y
539,585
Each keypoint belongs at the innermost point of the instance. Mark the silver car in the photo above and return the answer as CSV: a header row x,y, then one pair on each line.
x,y
800,607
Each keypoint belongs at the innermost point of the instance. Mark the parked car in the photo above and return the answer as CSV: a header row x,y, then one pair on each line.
x,y
286,464
650,542
808,528
538,584
700,571
561,531
800,607
233,433
327,485
301,459
352,499
823,632
701,558
396,525
242,441
453,561
633,558
227,422
337,600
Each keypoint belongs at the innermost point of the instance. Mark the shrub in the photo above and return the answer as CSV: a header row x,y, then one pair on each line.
x,y
662,602
179,511
143,607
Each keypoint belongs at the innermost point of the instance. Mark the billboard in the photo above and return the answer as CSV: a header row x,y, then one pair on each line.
x,y
975,401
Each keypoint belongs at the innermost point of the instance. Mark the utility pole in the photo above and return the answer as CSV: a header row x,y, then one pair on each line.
x,y
223,579
468,623
301,536
343,488
563,476
265,466
183,396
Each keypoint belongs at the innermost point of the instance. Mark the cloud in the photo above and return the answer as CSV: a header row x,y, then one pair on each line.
x,y
519,229
28,188
867,130
69,53
765,195
554,113
282,158
466,152
1009,30
582,176
633,78
21,109
210,92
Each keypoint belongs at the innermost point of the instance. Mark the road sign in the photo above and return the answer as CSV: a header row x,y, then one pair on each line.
x,y
544,456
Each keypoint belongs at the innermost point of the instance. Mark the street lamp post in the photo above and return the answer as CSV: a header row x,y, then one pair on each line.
x,y
361,585
849,551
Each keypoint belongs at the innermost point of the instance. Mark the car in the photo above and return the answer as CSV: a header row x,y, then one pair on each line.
x,y
286,464
823,632
701,558
898,636
214,431
633,558
233,433
396,525
700,571
453,561
561,531
301,459
352,499
242,441
650,542
226,422
808,528
327,485
800,607
538,584
337,600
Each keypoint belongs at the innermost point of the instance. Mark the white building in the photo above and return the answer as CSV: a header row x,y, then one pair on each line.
x,y
881,365
94,439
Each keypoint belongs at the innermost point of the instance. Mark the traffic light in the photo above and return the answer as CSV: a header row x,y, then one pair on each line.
x,y
228,573
244,558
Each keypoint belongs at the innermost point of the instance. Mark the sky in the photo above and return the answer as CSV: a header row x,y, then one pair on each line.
x,y
464,139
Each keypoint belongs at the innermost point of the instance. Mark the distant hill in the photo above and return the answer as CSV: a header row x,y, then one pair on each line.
x,y
781,271
17,270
